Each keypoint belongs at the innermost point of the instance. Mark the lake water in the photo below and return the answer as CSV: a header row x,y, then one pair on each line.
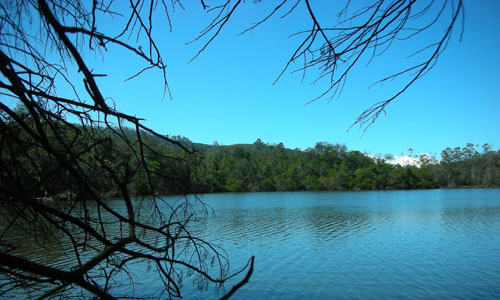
x,y
435,244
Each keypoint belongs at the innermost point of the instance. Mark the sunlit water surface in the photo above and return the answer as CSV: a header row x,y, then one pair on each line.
x,y
437,244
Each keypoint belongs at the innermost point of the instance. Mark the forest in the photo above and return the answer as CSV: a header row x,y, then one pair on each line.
x,y
182,166
332,167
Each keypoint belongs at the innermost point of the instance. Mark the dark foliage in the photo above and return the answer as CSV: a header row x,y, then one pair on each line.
x,y
272,167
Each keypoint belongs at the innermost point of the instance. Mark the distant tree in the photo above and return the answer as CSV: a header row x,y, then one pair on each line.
x,y
486,148
259,143
62,153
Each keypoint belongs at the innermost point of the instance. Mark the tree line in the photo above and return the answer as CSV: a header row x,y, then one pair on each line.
x,y
262,167
332,167
467,167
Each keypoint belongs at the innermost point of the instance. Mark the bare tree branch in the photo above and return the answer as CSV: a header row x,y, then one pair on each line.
x,y
56,176
365,34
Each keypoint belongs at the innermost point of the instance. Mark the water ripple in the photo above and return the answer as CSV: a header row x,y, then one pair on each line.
x,y
366,245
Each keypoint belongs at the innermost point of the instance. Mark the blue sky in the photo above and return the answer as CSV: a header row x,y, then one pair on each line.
x,y
227,93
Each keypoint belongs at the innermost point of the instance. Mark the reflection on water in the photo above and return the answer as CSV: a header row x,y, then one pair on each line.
x,y
357,245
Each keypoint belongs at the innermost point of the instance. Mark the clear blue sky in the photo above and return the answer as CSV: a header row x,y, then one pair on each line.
x,y
226,94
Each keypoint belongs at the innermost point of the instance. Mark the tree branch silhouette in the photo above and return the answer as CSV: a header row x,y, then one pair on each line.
x,y
56,175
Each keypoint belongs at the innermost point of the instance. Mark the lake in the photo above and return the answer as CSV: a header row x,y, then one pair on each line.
x,y
433,244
